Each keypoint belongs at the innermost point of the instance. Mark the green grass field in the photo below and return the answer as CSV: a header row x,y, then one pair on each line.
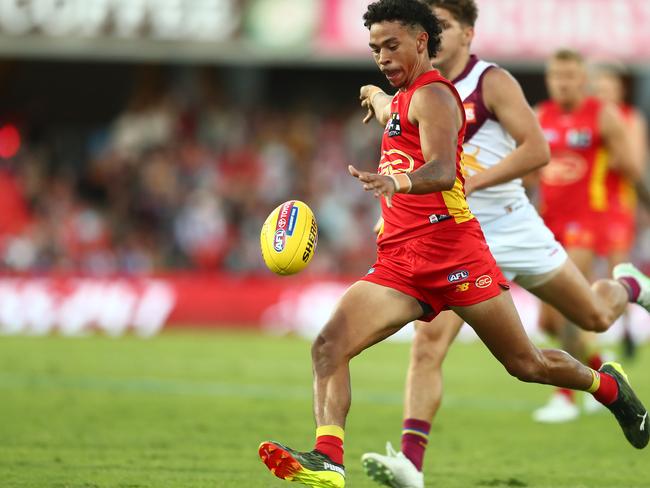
x,y
189,410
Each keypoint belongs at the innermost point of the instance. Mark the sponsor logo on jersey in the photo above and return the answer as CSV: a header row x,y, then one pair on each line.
x,y
564,168
470,113
394,126
395,161
579,138
458,275
483,281
435,218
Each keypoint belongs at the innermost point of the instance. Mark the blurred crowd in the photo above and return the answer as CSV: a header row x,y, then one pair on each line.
x,y
184,178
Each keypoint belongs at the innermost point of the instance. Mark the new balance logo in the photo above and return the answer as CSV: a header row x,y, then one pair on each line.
x,y
644,417
331,467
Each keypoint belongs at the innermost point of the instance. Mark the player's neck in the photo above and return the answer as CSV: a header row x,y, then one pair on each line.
x,y
422,67
455,66
571,105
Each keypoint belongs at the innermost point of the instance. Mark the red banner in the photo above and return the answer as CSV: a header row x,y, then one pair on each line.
x,y
143,306
518,30
79,305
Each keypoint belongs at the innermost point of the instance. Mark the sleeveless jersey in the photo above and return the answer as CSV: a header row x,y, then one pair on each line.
x,y
573,183
621,195
416,215
486,144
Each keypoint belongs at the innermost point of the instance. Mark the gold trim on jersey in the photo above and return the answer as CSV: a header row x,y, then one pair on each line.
x,y
597,182
456,203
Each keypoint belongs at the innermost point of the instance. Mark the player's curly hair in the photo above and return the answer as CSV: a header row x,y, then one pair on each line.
x,y
408,12
464,11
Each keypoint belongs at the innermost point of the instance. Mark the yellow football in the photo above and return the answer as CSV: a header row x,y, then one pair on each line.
x,y
288,238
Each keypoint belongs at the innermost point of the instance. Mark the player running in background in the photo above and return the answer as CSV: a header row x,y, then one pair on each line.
x,y
588,138
609,86
503,142
421,268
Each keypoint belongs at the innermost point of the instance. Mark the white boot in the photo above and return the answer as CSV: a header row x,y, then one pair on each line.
x,y
393,469
559,409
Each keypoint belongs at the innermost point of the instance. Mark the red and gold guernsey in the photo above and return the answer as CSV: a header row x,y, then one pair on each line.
x,y
621,195
573,189
415,215
620,213
574,179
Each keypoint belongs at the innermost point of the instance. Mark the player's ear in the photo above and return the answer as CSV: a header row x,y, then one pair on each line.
x,y
468,34
422,42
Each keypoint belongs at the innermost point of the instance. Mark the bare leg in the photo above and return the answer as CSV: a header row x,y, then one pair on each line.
x,y
499,327
424,379
592,308
367,314
629,346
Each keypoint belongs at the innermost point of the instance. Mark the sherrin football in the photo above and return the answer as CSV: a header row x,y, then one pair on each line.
x,y
288,238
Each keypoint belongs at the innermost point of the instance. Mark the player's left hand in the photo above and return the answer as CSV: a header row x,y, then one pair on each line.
x,y
379,184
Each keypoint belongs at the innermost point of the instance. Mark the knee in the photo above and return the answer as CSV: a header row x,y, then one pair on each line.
x,y
530,368
595,321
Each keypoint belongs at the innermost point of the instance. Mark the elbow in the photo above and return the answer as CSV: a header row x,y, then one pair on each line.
x,y
448,182
541,155
544,155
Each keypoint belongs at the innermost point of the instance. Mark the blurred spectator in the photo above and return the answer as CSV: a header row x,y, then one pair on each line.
x,y
181,179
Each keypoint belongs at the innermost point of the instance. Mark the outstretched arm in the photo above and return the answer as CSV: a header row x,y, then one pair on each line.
x,y
436,113
377,102
504,97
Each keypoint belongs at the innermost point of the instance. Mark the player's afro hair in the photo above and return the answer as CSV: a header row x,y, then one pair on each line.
x,y
410,13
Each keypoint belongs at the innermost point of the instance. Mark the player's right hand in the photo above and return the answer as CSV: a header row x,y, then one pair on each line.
x,y
365,95
380,185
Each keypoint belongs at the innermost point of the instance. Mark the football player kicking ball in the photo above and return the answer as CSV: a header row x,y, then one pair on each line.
x,y
504,141
429,235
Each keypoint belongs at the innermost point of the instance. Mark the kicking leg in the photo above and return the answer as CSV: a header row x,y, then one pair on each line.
x,y
499,327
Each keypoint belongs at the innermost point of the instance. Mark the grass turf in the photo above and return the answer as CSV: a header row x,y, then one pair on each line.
x,y
189,410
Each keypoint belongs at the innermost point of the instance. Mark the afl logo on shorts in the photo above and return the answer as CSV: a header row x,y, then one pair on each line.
x,y
483,281
461,274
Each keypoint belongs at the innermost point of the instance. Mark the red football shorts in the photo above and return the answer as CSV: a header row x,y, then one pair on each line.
x,y
452,266
604,233
617,233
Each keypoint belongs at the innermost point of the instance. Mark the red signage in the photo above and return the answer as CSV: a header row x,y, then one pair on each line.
x,y
523,30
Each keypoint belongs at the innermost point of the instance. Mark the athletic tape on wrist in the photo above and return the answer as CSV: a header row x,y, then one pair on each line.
x,y
403,183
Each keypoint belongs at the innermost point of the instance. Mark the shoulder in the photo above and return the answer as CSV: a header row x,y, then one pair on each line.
x,y
497,79
429,100
499,84
436,93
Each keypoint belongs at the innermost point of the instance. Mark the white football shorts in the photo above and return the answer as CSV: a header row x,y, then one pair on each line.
x,y
523,247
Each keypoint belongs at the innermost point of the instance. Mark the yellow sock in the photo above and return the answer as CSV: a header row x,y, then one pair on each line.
x,y
333,430
596,381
